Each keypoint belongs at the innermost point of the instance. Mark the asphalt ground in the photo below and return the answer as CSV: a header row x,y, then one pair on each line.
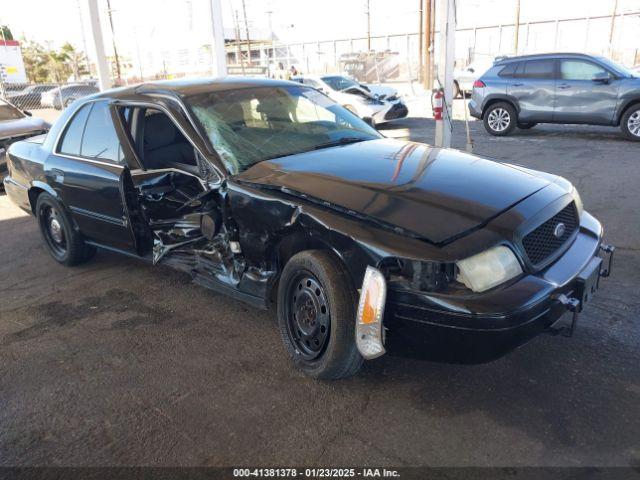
x,y
117,362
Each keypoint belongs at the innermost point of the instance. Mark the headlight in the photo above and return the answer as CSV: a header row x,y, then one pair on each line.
x,y
578,201
488,269
369,329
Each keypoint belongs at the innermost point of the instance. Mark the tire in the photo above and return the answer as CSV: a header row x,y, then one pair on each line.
x,y
526,126
630,123
64,243
496,115
316,315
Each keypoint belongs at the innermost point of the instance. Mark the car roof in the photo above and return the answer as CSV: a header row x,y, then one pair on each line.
x,y
540,56
188,87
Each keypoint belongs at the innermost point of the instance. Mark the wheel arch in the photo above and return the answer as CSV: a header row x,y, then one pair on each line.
x,y
297,240
624,108
36,189
492,100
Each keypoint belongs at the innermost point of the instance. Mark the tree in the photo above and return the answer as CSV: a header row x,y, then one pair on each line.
x,y
44,64
5,33
36,61
76,60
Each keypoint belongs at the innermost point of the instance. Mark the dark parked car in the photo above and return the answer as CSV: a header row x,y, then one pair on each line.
x,y
62,97
271,192
30,97
557,88
16,125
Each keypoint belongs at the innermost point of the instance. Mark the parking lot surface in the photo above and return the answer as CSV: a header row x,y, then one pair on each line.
x,y
117,362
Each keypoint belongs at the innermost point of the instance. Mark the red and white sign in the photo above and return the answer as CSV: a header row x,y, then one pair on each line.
x,y
11,62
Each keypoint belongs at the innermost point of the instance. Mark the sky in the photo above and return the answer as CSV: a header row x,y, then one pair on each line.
x,y
160,24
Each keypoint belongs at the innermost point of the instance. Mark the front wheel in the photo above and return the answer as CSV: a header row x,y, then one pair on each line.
x,y
500,119
63,242
316,315
630,123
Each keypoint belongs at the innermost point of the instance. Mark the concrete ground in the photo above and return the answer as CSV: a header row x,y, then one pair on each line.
x,y
120,363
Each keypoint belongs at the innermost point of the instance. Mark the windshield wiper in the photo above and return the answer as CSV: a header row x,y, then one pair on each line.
x,y
340,141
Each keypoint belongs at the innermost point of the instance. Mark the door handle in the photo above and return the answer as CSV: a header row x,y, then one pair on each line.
x,y
564,86
517,84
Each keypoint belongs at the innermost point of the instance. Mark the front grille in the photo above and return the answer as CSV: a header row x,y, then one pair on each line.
x,y
542,243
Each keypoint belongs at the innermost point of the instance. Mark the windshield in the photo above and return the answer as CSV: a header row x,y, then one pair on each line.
x,y
339,82
617,67
9,112
249,125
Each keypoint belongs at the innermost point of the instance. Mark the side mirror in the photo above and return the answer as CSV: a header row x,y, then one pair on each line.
x,y
601,77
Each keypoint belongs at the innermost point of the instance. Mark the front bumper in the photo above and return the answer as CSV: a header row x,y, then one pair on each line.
x,y
391,111
483,327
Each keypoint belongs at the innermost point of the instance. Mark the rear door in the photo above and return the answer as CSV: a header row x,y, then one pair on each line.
x,y
533,86
586,92
88,171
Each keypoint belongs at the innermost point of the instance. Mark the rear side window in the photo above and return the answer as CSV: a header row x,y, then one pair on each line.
x,y
509,70
73,134
100,139
580,70
538,69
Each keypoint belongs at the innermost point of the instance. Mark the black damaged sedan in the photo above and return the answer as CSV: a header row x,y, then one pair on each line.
x,y
270,192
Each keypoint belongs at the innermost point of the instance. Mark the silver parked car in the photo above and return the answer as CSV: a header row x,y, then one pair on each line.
x,y
557,88
15,125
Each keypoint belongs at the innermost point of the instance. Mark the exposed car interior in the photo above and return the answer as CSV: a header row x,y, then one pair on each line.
x,y
162,144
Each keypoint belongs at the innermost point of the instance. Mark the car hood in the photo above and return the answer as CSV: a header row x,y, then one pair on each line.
x,y
22,126
382,92
435,194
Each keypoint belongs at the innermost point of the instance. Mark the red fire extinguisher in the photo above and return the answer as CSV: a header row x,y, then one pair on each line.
x,y
436,103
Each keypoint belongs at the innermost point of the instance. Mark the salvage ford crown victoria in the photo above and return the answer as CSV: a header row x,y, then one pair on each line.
x,y
270,192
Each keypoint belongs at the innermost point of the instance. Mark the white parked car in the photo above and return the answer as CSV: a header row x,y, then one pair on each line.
x,y
376,103
463,78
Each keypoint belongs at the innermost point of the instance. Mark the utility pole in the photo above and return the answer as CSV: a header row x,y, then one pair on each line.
x,y
84,39
368,13
445,70
104,77
613,25
426,44
420,42
246,27
218,53
516,34
113,40
238,47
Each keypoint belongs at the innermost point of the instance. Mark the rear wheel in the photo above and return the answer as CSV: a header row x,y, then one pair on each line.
x,y
630,123
526,126
316,315
63,242
500,119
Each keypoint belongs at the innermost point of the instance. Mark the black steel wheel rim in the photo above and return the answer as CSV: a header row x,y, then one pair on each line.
x,y
308,317
53,229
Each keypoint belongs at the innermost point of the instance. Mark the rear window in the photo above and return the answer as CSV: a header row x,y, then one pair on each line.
x,y
509,70
538,69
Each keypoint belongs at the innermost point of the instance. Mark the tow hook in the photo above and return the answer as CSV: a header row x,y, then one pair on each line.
x,y
608,250
573,305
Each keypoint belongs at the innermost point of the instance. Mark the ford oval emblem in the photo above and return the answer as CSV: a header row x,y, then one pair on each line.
x,y
558,232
